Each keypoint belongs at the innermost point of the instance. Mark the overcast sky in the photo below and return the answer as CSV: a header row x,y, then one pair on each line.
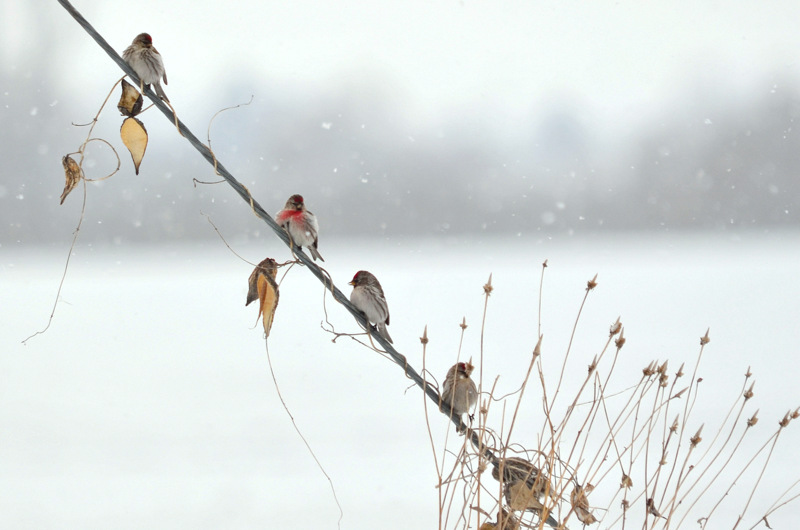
x,y
579,95
611,56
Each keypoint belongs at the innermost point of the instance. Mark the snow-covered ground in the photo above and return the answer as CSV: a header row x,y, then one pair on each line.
x,y
149,403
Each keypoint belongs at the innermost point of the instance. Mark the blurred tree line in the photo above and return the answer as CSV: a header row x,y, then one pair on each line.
x,y
711,161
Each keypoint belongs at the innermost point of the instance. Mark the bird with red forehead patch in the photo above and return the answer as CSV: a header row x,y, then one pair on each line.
x,y
368,298
145,60
459,390
301,224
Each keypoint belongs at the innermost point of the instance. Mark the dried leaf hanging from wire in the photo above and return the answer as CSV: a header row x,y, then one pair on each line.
x,y
130,102
134,136
73,174
262,285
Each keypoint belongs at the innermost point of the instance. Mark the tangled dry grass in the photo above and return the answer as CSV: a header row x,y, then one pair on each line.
x,y
619,454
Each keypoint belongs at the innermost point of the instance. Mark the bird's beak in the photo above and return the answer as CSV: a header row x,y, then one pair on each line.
x,y
351,283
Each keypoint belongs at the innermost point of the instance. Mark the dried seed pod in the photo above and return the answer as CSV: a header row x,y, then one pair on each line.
x,y
73,174
262,285
580,503
130,101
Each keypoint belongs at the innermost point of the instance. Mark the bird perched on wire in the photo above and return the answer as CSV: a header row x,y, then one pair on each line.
x,y
145,60
301,224
459,390
368,298
524,486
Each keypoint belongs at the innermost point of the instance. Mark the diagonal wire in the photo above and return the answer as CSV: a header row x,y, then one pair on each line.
x,y
244,193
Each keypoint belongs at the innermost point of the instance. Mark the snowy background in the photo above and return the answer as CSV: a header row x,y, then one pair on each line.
x,y
437,142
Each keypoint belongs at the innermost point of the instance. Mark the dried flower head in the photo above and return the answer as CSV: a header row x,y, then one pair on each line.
x,y
620,342
662,369
593,365
580,504
696,439
591,284
705,339
651,508
424,338
679,373
537,351
626,482
463,323
487,288
753,419
616,327
650,369
749,392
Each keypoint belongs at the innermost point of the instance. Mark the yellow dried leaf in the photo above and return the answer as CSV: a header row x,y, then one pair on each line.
x,y
268,296
262,285
134,136
267,266
73,174
130,101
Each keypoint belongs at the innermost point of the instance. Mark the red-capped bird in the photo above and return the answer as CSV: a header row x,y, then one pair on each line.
x,y
368,298
145,60
301,224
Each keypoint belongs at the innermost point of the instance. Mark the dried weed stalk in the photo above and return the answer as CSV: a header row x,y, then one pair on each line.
x,y
619,456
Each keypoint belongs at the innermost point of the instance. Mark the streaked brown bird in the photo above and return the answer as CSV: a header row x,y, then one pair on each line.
x,y
459,390
368,298
524,486
145,60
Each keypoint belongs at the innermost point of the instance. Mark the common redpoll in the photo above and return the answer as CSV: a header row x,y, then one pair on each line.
x,y
523,485
458,390
368,298
145,60
515,470
301,224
